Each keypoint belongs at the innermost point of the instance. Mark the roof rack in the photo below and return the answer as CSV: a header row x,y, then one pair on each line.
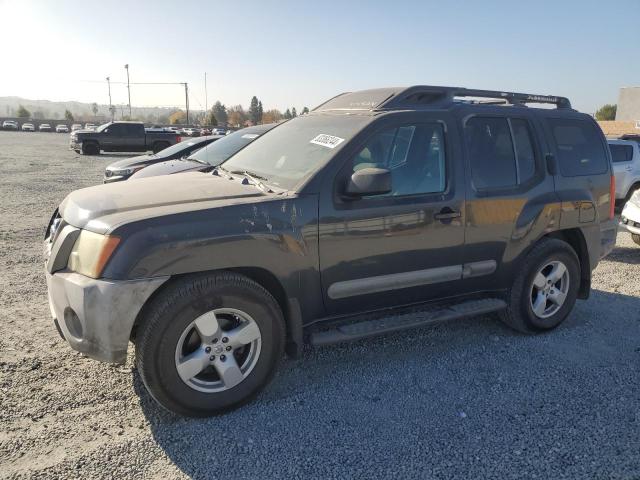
x,y
426,95
430,94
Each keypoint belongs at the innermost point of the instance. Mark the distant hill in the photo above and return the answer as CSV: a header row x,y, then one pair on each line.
x,y
81,111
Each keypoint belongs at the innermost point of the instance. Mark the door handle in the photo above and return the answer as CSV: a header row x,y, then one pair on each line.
x,y
447,214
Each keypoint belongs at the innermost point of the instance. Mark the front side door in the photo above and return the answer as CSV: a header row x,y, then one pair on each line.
x,y
401,247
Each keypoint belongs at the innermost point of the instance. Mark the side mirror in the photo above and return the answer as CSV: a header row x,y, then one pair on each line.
x,y
369,181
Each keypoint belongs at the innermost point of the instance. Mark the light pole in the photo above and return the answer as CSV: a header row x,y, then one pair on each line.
x,y
186,99
206,106
128,89
110,107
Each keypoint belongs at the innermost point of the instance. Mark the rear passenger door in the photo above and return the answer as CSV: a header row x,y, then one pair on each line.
x,y
135,138
625,169
507,193
580,157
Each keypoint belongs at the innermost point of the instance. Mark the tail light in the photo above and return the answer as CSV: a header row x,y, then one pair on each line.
x,y
612,197
178,138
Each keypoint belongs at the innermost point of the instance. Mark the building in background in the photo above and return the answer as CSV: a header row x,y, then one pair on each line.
x,y
628,104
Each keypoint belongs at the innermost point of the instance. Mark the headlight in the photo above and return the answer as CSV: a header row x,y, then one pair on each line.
x,y
91,252
123,172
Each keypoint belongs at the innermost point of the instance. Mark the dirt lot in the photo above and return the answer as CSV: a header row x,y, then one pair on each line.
x,y
470,399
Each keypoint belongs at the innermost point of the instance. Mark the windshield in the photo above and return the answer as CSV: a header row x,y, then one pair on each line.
x,y
101,127
217,152
295,149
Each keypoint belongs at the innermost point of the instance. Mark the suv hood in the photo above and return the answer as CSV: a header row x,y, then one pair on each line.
x,y
105,207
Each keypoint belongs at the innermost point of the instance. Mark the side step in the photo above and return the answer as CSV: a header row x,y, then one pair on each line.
x,y
393,323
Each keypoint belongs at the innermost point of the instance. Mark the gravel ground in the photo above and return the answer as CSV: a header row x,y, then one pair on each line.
x,y
469,399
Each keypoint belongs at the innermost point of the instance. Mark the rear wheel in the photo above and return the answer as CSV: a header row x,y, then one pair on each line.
x,y
209,343
636,238
545,288
159,146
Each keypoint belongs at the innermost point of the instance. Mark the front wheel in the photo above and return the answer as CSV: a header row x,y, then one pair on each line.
x,y
545,288
209,343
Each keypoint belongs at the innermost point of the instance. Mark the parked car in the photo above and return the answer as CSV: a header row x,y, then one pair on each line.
x,y
207,158
419,200
76,126
90,126
625,155
10,125
45,127
123,169
61,128
121,137
28,127
191,132
219,131
630,216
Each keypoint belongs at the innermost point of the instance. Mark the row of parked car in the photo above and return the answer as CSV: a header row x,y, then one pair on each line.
x,y
45,127
435,202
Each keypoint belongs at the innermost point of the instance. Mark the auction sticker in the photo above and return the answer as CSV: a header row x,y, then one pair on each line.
x,y
250,135
328,141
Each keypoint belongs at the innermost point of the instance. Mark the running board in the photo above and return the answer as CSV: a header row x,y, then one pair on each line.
x,y
393,323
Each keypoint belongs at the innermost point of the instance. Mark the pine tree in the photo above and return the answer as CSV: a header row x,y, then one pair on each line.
x,y
220,112
287,114
294,114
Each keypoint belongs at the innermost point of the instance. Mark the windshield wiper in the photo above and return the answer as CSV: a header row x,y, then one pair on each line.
x,y
250,175
195,160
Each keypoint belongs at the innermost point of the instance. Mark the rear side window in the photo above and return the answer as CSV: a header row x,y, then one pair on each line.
x,y
621,153
579,147
501,152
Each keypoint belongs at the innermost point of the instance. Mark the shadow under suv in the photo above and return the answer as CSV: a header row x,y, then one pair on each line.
x,y
434,202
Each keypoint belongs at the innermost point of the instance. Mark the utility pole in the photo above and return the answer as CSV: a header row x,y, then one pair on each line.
x,y
206,105
110,107
186,99
128,89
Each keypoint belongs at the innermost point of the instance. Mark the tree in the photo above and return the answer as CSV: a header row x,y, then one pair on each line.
x,y
177,117
294,114
211,119
304,110
94,108
23,112
607,112
255,113
220,112
68,116
260,111
237,116
272,116
287,114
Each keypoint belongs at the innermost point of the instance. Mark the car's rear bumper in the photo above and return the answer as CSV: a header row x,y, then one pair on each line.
x,y
96,316
608,234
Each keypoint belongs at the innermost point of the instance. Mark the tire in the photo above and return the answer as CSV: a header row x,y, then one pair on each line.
x,y
162,347
524,294
159,146
636,238
90,148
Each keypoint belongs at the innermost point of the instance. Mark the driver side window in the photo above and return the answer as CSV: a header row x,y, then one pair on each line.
x,y
413,153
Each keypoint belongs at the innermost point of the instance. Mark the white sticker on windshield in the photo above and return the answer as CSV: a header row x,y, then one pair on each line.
x,y
250,135
328,141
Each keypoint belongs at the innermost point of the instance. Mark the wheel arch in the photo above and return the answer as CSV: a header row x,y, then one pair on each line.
x,y
289,306
576,240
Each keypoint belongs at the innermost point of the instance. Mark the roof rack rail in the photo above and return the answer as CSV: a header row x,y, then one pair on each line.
x,y
425,94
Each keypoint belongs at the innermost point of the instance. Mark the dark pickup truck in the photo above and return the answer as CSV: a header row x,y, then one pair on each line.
x,y
433,203
121,137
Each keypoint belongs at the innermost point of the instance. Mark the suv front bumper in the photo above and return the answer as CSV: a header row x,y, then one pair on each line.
x,y
96,316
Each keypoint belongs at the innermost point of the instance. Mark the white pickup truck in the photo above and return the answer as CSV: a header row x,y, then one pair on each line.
x,y
625,155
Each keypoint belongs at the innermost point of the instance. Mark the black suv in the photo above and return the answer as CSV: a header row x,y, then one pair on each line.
x,y
437,202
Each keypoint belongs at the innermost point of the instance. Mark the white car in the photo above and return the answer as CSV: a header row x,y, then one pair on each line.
x,y
10,125
630,216
28,127
62,128
89,126
45,127
76,126
625,156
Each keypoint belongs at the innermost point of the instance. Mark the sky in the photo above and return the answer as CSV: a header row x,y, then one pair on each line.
x,y
297,53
